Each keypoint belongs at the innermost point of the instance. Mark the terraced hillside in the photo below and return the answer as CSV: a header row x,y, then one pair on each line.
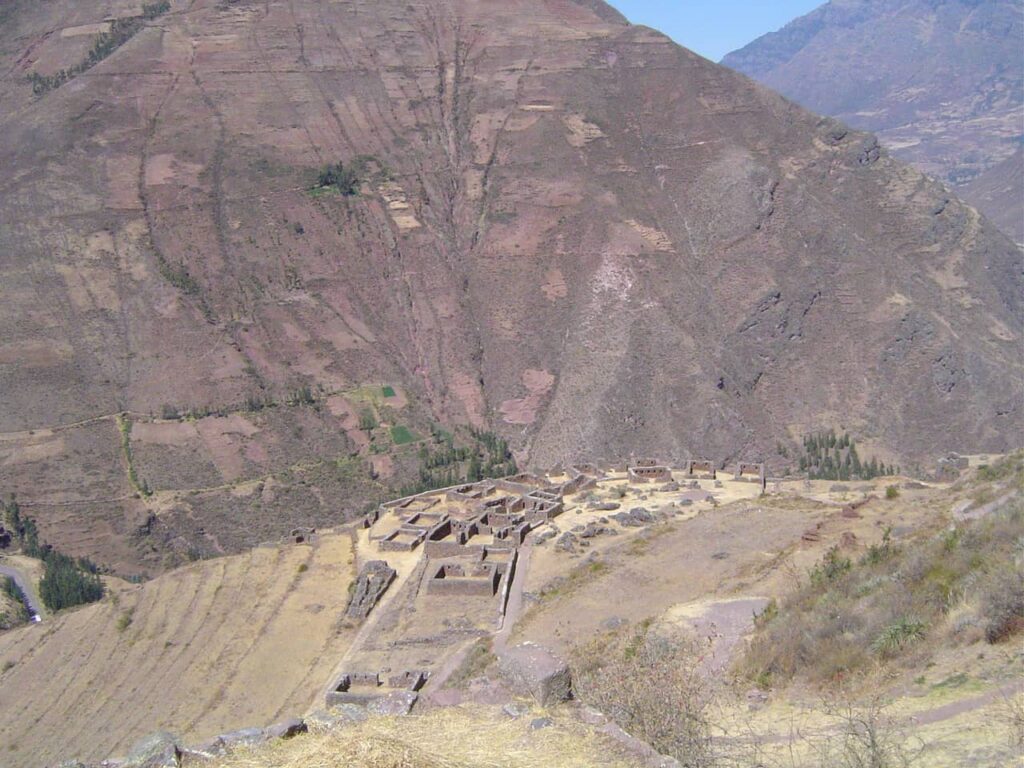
x,y
202,650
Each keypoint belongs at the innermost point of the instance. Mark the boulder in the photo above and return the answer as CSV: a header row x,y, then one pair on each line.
x,y
532,670
336,717
515,709
669,487
541,722
158,750
567,542
605,506
243,737
545,535
592,530
642,515
394,703
286,729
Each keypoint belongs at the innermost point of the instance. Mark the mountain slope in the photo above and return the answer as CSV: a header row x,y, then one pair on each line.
x,y
568,230
940,81
999,194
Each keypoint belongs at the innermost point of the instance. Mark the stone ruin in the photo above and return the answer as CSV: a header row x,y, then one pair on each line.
x,y
648,471
461,520
751,472
364,688
468,538
700,469
302,535
479,573
373,581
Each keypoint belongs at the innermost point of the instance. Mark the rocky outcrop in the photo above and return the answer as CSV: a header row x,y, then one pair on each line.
x,y
532,670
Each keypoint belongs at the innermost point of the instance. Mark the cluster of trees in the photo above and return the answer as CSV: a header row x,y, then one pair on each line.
x,y
827,456
345,179
303,395
445,464
493,460
121,30
66,581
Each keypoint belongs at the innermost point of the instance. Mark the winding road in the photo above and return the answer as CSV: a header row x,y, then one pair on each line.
x,y
34,604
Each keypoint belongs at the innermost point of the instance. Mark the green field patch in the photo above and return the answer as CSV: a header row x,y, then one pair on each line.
x,y
320,191
401,435
388,390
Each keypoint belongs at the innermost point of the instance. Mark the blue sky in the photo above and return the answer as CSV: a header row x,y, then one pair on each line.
x,y
713,28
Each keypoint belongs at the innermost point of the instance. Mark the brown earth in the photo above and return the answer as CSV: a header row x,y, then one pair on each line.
x,y
575,233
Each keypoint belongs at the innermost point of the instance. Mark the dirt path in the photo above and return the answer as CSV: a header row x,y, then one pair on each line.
x,y
32,601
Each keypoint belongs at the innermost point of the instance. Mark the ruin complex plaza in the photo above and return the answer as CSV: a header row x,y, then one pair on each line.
x,y
443,569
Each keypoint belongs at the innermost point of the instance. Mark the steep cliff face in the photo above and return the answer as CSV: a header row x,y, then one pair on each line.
x,y
940,81
568,229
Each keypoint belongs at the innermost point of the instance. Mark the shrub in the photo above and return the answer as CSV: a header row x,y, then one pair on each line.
x,y
124,621
152,10
648,684
18,614
832,566
892,492
345,180
1003,605
898,634
367,420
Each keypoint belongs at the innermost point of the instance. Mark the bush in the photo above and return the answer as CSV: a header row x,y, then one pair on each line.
x,y
152,10
648,684
367,420
892,492
345,180
898,634
124,621
1003,605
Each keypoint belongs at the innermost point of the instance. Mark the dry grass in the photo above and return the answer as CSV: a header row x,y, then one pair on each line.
x,y
445,738
897,601
221,644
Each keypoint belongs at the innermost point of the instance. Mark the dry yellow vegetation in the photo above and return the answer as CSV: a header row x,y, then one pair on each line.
x,y
458,737
211,647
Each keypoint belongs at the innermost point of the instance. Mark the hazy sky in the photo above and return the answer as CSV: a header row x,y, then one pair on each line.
x,y
713,28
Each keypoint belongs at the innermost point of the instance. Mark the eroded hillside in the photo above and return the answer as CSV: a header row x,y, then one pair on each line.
x,y
565,229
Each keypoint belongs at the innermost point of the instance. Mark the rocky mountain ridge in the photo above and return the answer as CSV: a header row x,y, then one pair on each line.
x,y
940,81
